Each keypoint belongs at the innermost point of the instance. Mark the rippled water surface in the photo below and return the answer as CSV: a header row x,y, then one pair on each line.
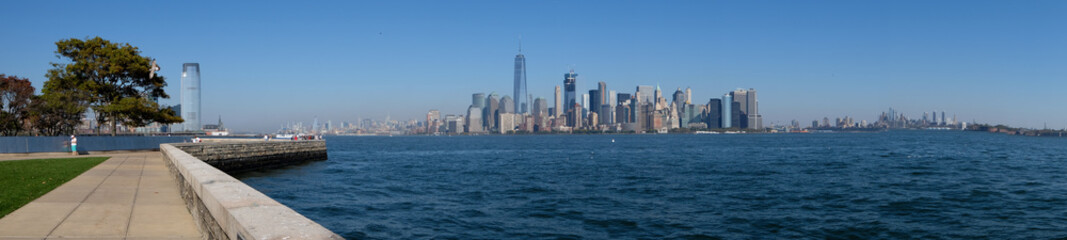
x,y
891,185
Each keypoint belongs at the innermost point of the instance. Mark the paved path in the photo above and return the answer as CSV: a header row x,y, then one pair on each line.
x,y
129,196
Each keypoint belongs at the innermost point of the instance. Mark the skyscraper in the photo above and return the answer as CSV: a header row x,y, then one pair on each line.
x,y
540,108
521,98
478,100
558,110
714,118
492,106
755,120
727,111
593,104
507,105
570,99
679,98
644,94
749,108
190,96
688,95
602,94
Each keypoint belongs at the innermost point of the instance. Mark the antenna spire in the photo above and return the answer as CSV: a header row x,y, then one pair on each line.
x,y
520,43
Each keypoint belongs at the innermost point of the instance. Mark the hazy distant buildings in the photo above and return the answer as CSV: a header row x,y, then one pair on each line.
x,y
190,97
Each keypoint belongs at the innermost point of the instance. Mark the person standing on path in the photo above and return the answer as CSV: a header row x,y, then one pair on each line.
x,y
73,145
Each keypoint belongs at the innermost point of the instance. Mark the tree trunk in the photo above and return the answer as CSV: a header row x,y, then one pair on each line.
x,y
114,126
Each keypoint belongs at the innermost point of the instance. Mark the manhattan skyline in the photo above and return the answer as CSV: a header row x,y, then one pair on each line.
x,y
266,64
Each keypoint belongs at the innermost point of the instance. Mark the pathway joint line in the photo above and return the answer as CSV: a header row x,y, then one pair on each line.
x,y
50,232
136,191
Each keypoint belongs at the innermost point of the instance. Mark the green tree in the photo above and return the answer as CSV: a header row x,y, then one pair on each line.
x,y
111,78
56,114
15,94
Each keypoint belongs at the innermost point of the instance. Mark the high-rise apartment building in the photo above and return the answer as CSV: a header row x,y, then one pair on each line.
x,y
190,97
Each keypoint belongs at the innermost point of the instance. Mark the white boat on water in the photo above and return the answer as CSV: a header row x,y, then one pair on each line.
x,y
706,132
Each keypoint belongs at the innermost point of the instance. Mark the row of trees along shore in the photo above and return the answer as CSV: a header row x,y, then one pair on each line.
x,y
112,79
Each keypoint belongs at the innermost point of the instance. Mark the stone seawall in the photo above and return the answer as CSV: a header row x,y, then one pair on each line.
x,y
226,208
237,157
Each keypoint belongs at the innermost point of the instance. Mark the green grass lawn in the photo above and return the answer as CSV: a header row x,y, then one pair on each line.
x,y
22,181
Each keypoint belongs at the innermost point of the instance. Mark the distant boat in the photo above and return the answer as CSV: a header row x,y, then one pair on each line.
x,y
706,132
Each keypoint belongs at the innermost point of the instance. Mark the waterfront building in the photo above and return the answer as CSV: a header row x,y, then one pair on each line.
x,y
474,120
751,118
593,120
611,118
569,84
558,108
574,116
521,97
508,122
727,111
715,114
433,121
455,124
736,116
190,97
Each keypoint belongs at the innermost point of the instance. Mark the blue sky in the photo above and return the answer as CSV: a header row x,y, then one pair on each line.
x,y
264,63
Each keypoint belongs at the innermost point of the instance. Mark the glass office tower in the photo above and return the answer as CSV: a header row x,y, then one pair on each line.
x,y
190,96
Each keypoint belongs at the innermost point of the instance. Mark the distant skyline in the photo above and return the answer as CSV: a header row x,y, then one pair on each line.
x,y
263,64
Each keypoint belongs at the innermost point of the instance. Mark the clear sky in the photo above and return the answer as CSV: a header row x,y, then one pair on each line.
x,y
264,63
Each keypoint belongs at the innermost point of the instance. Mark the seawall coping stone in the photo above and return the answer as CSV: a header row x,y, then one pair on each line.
x,y
240,211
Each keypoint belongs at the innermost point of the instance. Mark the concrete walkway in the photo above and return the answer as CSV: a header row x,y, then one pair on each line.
x,y
129,196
